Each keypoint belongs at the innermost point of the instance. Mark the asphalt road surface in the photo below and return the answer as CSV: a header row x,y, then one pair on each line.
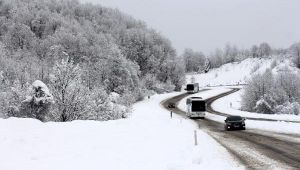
x,y
253,148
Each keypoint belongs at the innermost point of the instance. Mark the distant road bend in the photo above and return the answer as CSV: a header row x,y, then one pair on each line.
x,y
212,99
253,148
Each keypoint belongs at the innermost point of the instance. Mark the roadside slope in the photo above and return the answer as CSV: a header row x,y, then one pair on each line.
x,y
149,139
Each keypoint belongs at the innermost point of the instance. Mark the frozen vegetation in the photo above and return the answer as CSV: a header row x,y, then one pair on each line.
x,y
271,76
271,93
271,84
84,54
232,105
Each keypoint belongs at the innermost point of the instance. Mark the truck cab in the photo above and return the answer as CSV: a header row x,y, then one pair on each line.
x,y
192,88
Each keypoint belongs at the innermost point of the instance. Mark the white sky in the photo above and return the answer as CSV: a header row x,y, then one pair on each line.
x,y
205,25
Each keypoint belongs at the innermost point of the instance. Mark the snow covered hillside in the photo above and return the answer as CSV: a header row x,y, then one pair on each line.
x,y
232,73
238,73
149,139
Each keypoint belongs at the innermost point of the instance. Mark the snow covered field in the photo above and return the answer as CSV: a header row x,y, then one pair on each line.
x,y
149,139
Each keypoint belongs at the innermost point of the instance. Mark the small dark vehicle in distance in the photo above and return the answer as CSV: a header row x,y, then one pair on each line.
x,y
171,105
235,122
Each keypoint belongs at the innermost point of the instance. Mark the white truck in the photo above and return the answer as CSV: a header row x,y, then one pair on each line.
x,y
196,107
192,88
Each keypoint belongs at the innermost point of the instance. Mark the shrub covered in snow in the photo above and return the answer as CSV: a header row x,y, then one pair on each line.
x,y
66,100
150,82
75,101
105,107
288,108
37,105
273,93
265,105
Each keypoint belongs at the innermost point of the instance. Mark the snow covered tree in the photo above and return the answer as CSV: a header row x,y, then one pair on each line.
x,y
230,53
207,66
105,107
217,58
194,61
69,94
258,86
264,50
265,105
254,51
288,108
37,105
295,52
177,74
266,93
20,37
118,74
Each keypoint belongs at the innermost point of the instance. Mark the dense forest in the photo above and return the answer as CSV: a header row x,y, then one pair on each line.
x,y
94,62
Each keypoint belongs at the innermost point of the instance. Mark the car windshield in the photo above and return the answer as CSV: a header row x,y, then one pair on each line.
x,y
198,106
190,87
234,118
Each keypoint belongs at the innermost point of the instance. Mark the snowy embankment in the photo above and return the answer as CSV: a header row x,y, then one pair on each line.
x,y
231,105
232,73
149,139
223,105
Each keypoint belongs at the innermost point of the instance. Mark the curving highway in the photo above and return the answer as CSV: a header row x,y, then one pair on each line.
x,y
255,149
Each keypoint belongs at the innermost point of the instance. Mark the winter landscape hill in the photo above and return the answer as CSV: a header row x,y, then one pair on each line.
x,y
238,73
84,86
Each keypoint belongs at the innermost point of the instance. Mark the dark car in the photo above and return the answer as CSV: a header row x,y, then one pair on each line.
x,y
171,105
235,122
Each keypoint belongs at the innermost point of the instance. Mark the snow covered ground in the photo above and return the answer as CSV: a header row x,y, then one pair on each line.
x,y
149,139
223,105
239,73
232,73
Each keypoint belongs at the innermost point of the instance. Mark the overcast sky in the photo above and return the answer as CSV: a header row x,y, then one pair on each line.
x,y
205,25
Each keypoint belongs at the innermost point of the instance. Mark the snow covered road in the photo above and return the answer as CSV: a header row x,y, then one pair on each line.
x,y
256,149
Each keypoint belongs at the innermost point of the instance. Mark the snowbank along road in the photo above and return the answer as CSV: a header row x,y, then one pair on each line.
x,y
212,99
256,149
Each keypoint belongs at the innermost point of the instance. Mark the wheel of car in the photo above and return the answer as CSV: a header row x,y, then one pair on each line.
x,y
226,128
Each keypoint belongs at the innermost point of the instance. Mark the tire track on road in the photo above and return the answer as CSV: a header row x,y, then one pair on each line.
x,y
254,149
